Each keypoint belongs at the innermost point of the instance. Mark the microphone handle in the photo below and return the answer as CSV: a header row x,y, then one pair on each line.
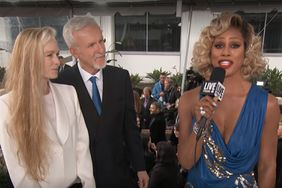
x,y
202,125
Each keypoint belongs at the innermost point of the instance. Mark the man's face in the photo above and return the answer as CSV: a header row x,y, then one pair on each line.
x,y
153,109
166,85
89,48
162,78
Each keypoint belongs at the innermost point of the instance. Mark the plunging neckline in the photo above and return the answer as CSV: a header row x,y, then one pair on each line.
x,y
237,121
241,152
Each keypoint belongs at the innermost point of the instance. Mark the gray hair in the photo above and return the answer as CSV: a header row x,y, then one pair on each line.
x,y
147,89
75,24
170,81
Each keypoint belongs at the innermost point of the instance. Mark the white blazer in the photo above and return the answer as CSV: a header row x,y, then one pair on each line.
x,y
69,156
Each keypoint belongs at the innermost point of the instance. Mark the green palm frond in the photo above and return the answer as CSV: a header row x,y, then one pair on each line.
x,y
273,80
135,79
155,75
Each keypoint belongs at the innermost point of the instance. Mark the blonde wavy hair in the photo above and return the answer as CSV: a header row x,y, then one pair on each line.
x,y
24,80
254,63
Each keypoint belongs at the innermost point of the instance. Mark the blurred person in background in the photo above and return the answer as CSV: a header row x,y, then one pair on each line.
x,y
171,96
158,88
63,65
165,172
157,125
137,107
146,102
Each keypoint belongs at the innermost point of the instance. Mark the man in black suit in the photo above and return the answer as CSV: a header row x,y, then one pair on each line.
x,y
146,102
115,143
63,64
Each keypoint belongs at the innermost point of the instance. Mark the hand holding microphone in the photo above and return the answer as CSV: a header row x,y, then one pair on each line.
x,y
205,107
212,92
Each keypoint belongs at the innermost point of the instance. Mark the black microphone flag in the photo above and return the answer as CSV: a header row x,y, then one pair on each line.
x,y
214,88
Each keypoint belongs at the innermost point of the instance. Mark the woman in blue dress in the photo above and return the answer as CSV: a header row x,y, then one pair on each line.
x,y
241,129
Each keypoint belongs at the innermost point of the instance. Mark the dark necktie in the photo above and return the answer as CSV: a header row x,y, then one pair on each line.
x,y
61,68
95,95
145,102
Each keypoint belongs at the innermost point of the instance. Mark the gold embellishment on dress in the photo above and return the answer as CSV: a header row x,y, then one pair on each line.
x,y
241,180
215,164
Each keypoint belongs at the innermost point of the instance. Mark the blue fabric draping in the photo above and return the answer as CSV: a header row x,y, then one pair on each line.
x,y
241,151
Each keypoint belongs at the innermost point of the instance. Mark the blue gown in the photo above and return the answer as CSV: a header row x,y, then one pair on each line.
x,y
241,152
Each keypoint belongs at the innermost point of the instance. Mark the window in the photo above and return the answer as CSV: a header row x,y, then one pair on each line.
x,y
257,20
164,33
149,33
272,36
130,33
16,24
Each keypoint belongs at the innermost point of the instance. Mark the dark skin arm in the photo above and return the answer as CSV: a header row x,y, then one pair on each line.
x,y
189,106
268,148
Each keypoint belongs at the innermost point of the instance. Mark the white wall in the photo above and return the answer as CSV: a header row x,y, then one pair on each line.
x,y
5,44
5,36
143,64
200,19
274,62
4,58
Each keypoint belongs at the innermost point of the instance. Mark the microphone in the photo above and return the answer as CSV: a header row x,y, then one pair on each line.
x,y
213,88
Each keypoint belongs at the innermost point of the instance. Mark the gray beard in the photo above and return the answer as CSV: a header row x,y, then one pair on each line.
x,y
98,67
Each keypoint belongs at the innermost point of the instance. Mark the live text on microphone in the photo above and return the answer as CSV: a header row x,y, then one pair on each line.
x,y
214,88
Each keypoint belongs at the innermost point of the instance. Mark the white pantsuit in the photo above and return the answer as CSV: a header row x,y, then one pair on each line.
x,y
69,156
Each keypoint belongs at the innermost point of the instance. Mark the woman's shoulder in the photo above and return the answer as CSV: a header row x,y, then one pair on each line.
x,y
4,98
64,91
272,101
2,91
191,94
4,95
63,87
4,106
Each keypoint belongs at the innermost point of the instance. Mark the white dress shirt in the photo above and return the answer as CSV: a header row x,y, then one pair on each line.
x,y
99,81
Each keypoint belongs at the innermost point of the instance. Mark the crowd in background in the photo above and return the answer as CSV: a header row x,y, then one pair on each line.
x,y
156,110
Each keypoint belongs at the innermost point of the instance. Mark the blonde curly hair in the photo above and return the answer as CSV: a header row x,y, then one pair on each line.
x,y
254,63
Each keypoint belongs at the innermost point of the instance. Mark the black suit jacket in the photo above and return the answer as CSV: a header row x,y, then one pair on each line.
x,y
145,116
157,128
115,142
164,176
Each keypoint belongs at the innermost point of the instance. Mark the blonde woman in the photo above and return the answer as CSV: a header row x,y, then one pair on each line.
x,y
242,128
43,135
